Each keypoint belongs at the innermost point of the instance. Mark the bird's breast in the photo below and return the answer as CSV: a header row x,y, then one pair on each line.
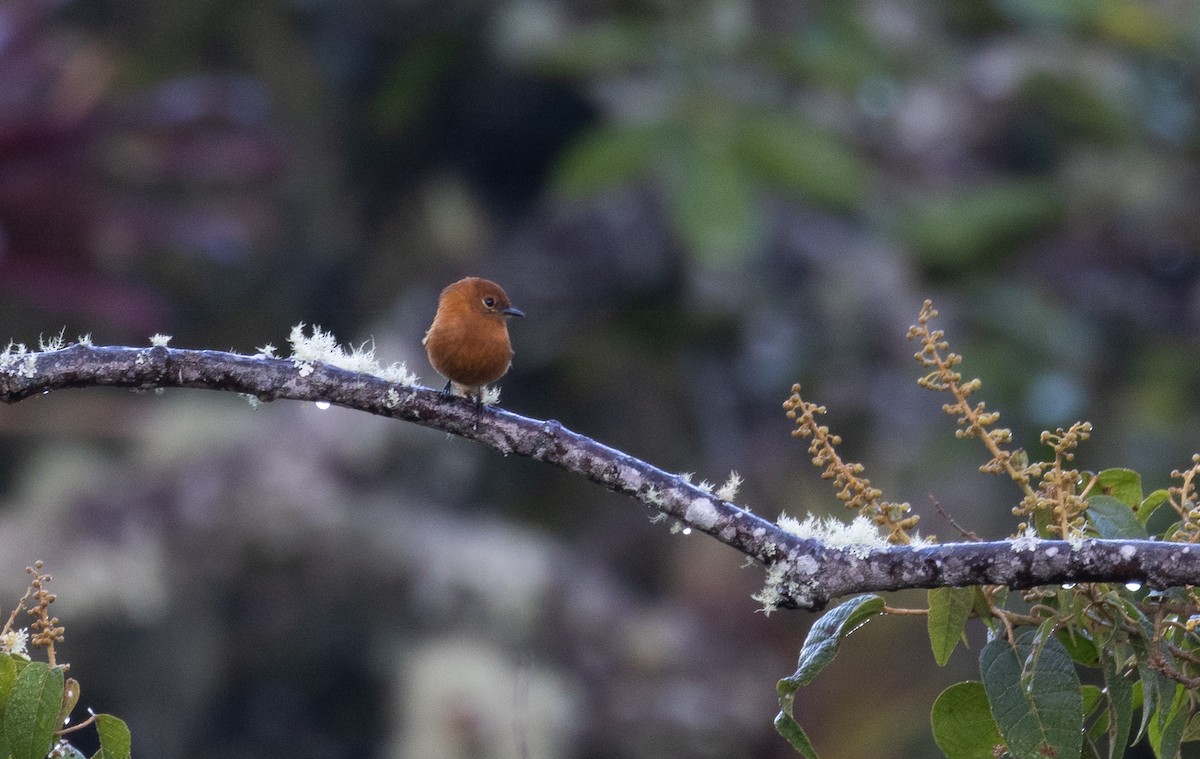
x,y
471,355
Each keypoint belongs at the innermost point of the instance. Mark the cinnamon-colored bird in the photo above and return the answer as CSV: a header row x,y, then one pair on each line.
x,y
468,340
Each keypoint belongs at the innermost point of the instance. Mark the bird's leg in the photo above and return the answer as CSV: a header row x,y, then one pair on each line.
x,y
446,390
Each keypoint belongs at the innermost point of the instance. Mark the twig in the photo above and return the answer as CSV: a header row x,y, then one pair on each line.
x,y
810,573
967,534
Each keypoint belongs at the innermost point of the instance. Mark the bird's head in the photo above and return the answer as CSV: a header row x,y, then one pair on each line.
x,y
480,296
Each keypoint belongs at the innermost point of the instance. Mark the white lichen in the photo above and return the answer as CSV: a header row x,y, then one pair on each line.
x,y
86,340
54,343
160,340
252,399
323,346
630,477
391,398
702,513
19,360
792,578
769,596
860,537
728,491
267,351
491,395
398,373
1128,552
1027,541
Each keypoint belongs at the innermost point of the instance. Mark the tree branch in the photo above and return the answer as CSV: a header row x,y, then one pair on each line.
x,y
806,573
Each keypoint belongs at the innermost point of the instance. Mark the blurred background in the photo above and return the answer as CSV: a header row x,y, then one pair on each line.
x,y
696,204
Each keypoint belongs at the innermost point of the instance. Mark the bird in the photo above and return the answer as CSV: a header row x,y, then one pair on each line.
x,y
468,340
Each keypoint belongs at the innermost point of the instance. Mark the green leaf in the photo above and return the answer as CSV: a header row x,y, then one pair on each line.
x,y
819,648
982,608
962,228
948,612
1192,733
963,727
29,720
1120,703
1092,698
1114,519
115,740
1166,731
1123,484
1081,647
8,673
406,91
606,156
1144,693
712,202
69,699
823,639
1150,505
787,153
786,726
1039,712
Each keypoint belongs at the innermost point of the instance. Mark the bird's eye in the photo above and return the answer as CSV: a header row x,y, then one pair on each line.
x,y
489,301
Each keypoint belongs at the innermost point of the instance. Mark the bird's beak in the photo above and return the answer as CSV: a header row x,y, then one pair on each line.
x,y
513,311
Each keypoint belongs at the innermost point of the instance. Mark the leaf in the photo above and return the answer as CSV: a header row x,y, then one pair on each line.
x,y
1123,484
1166,731
786,726
823,639
1192,733
1114,519
29,719
1081,648
948,612
70,697
406,91
1150,505
982,608
606,156
963,727
8,673
962,228
1120,704
711,201
1039,712
1092,698
1143,692
115,740
819,648
785,152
